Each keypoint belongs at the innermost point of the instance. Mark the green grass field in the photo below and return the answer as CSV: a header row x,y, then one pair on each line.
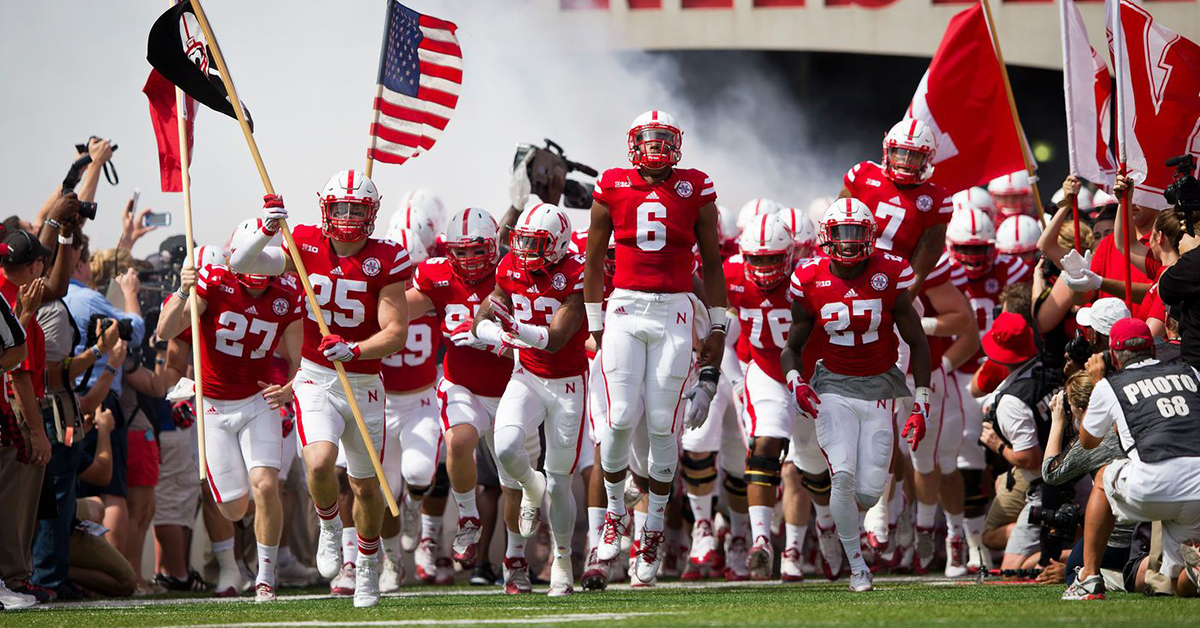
x,y
892,604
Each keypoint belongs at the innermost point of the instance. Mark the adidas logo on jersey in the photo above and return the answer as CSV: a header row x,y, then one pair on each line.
x,y
765,303
252,310
895,200
652,196
474,298
211,410
620,311
337,270
851,294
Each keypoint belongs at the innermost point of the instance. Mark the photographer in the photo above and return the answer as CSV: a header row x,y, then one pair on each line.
x,y
1151,405
1179,289
1017,425
542,172
1092,336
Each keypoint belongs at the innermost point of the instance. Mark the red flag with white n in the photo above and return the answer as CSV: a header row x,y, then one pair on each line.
x,y
962,98
1158,98
1087,87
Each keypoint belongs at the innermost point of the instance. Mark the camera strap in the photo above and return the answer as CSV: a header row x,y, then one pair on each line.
x,y
110,173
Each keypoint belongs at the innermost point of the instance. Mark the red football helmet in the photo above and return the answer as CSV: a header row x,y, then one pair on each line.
x,y
655,140
471,240
349,203
847,233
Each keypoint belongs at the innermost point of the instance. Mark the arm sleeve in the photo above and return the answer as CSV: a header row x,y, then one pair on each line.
x,y
1017,423
249,254
1102,409
1076,461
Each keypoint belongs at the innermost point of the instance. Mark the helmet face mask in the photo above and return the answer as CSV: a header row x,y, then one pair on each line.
x,y
908,152
655,141
530,249
471,244
472,261
976,258
847,233
767,269
253,282
349,203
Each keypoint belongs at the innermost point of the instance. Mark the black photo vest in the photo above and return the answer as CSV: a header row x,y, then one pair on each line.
x,y
1035,385
1161,404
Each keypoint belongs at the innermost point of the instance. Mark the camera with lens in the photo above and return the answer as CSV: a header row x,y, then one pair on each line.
x,y
1184,191
124,328
548,170
1079,350
87,209
1061,522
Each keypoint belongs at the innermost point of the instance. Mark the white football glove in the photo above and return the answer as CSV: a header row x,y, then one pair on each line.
x,y
462,336
519,187
1086,282
183,390
1073,263
699,397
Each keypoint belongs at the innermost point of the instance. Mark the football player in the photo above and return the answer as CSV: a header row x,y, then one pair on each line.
x,y
421,212
474,375
856,294
359,284
538,305
910,212
657,213
1018,237
1012,195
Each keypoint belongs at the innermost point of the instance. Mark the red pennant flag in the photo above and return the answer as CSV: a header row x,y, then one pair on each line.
x,y
962,98
161,94
1087,87
1158,98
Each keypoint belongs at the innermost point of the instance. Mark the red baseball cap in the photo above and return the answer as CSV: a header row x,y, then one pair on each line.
x,y
1127,330
1010,340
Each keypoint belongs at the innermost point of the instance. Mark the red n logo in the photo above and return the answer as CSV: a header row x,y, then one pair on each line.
x,y
570,388
372,396
681,318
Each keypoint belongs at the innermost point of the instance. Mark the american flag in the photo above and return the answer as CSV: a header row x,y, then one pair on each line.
x,y
420,74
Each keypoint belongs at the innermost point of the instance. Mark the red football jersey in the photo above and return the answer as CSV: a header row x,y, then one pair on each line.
x,y
456,302
347,289
903,214
654,226
765,316
415,367
855,313
241,331
984,294
535,298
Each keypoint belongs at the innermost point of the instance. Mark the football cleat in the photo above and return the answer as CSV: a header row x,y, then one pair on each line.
x,y
366,581
516,576
263,593
445,572
926,545
761,558
329,551
343,583
294,574
956,557
229,583
790,568
391,576
425,557
466,541
531,506
861,581
649,557
704,544
410,525
595,574
1089,588
561,577
736,567
610,537
832,554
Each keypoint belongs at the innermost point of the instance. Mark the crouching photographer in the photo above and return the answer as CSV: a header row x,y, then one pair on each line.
x,y
1179,285
1151,404
1016,428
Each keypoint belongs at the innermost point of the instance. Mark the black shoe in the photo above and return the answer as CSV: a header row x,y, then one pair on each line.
x,y
42,594
483,574
70,592
193,583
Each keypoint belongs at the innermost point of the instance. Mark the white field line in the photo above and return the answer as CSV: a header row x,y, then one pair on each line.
x,y
539,619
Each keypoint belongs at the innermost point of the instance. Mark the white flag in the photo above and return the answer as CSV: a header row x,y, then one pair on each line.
x,y
1087,87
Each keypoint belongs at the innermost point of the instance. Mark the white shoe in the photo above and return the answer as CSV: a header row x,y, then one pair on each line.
x,y
343,583
465,547
425,558
1190,554
956,557
926,544
649,557
263,593
790,569
516,576
561,577
366,581
737,562
595,574
831,551
861,581
761,559
704,544
610,537
410,524
13,600
531,505
294,574
391,576
978,556
329,551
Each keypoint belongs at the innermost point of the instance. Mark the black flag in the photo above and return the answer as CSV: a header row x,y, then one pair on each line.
x,y
179,51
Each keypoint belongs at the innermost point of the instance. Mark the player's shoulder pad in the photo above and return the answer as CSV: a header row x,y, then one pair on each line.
x,y
433,272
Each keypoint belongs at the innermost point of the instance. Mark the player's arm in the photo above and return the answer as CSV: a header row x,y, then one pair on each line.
x,y
599,233
493,328
486,312
567,319
293,338
714,285
174,317
925,256
179,355
248,249
418,303
393,324
955,318
798,333
909,324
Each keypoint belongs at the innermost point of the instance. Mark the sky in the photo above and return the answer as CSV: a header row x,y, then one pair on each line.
x,y
306,70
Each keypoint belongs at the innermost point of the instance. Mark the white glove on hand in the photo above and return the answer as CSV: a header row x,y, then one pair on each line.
x,y
462,336
519,186
1086,282
699,398
184,389
1073,263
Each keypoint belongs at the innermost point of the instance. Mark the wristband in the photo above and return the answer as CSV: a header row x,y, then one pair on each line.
x,y
595,316
947,365
717,317
710,374
183,294
929,325
66,239
1000,449
110,369
96,352
50,222
793,375
922,395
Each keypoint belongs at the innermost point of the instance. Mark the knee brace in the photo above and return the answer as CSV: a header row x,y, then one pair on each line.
x,y
664,457
816,484
735,486
763,470
699,471
419,491
975,500
441,482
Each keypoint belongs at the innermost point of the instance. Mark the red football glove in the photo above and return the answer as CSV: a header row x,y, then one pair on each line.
x,y
273,212
803,395
503,316
336,349
914,427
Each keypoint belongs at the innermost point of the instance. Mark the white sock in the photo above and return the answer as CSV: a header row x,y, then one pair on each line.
x,y
701,507
824,516
973,526
615,492
639,524
656,512
225,559
466,503
284,557
268,559
391,547
896,504
349,545
739,523
760,521
954,524
595,522
795,537
516,545
926,513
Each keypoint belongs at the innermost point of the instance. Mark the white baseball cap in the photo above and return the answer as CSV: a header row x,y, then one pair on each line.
x,y
1103,314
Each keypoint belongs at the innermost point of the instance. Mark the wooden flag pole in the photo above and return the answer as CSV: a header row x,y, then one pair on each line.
x,y
1016,117
292,251
1117,49
1127,224
374,121
1075,213
198,371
